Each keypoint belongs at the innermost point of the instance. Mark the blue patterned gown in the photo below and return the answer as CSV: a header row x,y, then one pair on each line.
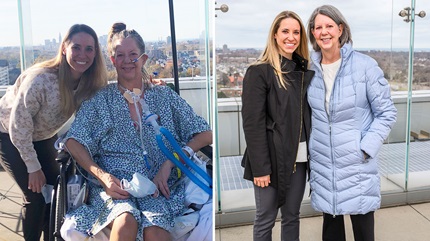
x,y
104,126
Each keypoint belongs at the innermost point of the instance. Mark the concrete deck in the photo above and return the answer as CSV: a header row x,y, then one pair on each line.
x,y
402,223
10,209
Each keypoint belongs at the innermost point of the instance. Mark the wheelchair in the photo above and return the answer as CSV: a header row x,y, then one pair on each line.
x,y
59,195
68,168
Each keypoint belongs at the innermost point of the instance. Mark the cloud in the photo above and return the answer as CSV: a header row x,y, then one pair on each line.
x,y
374,24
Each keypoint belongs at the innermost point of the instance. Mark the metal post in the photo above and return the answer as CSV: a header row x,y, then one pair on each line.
x,y
409,99
174,54
26,45
21,36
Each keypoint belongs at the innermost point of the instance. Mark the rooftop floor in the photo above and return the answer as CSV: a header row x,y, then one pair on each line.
x,y
391,162
402,223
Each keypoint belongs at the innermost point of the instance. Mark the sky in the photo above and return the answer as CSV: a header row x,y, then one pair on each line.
x,y
375,24
247,23
49,18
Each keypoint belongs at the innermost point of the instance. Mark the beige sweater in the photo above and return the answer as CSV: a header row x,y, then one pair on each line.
x,y
30,111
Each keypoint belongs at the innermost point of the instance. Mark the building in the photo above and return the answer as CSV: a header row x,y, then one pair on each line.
x,y
4,72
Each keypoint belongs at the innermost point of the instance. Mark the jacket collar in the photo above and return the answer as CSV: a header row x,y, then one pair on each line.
x,y
345,53
297,63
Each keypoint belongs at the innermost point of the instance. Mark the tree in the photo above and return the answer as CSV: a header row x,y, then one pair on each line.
x,y
166,72
224,79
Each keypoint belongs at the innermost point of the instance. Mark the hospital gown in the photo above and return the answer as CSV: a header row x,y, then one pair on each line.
x,y
104,126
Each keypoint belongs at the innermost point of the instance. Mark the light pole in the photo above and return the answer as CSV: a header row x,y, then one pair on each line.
x,y
223,8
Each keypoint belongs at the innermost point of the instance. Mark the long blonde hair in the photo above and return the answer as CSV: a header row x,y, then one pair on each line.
x,y
270,54
93,79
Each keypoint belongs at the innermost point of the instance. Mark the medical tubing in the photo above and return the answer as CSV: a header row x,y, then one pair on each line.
x,y
145,153
181,166
136,98
184,157
151,119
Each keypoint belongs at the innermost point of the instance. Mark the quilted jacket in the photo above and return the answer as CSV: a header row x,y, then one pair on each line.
x,y
361,116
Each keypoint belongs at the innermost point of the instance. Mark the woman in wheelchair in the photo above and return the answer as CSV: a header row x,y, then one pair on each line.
x,y
111,141
35,108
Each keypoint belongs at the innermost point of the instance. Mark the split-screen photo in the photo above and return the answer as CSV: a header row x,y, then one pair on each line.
x,y
203,120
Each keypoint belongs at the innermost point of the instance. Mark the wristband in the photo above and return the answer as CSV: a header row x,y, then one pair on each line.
x,y
178,157
177,168
188,150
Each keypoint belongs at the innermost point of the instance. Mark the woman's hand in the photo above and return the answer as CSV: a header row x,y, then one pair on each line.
x,y
160,180
262,181
112,186
157,81
36,180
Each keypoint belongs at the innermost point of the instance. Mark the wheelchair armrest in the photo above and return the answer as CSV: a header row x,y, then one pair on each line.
x,y
62,157
207,151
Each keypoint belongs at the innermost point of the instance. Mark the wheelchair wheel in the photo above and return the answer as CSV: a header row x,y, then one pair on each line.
x,y
57,212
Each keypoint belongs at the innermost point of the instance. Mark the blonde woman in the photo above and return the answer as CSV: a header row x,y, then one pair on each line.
x,y
35,108
276,123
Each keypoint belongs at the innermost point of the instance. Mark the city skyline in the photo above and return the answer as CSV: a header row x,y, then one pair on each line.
x,y
150,18
245,25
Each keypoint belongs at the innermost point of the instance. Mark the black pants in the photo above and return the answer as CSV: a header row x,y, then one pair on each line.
x,y
266,208
363,227
35,211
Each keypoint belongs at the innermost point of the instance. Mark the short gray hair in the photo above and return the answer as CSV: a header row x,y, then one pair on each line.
x,y
333,13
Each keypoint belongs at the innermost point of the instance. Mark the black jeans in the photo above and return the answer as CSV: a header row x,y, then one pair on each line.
x,y
35,211
266,208
363,227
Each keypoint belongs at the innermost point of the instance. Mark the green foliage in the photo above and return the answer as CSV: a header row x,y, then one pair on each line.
x,y
222,95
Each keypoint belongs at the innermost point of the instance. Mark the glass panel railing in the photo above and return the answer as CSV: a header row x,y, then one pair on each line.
x,y
193,52
10,61
419,148
392,163
26,45
238,43
41,36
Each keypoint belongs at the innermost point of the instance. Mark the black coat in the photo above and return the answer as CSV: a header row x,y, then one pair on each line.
x,y
272,121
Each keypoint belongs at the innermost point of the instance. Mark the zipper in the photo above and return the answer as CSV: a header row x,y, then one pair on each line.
x,y
301,119
329,118
331,144
330,138
334,170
